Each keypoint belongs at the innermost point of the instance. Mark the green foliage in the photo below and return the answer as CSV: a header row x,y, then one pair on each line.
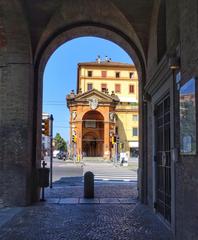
x,y
60,143
134,103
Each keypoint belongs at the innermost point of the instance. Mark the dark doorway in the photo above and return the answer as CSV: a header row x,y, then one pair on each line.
x,y
163,158
93,148
93,134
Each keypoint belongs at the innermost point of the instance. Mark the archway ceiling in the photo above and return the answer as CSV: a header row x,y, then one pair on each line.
x,y
137,13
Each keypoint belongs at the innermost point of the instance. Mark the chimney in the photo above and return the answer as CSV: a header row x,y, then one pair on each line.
x,y
98,59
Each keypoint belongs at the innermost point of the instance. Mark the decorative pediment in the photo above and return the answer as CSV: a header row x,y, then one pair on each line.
x,y
94,96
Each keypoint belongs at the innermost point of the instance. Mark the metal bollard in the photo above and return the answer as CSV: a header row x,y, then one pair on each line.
x,y
89,185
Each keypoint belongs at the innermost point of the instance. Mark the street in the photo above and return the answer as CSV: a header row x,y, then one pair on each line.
x,y
102,171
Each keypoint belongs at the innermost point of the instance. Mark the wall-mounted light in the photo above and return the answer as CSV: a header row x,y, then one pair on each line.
x,y
174,62
146,97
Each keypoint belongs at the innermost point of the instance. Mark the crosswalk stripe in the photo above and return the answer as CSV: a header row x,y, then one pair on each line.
x,y
106,177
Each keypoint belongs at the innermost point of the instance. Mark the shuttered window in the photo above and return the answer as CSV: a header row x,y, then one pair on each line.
x,y
117,88
131,88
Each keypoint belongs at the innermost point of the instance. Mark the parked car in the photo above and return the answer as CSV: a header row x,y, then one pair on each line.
x,y
62,155
55,153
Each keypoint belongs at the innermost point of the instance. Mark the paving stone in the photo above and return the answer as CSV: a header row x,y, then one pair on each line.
x,y
6,214
76,218
109,200
127,200
89,201
69,200
53,200
85,222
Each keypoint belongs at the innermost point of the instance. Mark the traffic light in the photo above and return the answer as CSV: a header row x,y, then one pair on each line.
x,y
121,146
113,139
74,138
45,127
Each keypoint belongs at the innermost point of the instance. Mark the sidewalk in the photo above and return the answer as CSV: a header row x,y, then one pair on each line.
x,y
66,215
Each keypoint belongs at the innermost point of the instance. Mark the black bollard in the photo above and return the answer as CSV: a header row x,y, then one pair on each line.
x,y
89,185
43,179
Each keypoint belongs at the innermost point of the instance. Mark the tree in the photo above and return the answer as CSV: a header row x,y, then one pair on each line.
x,y
60,143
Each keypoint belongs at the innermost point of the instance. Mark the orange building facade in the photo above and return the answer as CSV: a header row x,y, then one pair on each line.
x,y
92,123
105,106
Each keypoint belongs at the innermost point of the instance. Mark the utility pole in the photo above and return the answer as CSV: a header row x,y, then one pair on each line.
x,y
117,143
51,149
116,154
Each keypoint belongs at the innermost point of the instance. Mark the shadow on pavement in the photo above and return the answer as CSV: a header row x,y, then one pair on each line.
x,y
70,181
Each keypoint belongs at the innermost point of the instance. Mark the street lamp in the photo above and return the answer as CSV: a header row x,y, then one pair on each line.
x,y
174,63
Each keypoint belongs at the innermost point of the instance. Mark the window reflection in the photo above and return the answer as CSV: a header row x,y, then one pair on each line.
x,y
187,118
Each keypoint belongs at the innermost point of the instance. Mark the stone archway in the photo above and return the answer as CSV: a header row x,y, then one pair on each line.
x,y
25,61
99,30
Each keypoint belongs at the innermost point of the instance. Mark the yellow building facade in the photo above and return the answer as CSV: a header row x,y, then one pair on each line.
x,y
117,84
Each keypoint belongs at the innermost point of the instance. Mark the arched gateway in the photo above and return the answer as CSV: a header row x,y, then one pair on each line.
x,y
90,122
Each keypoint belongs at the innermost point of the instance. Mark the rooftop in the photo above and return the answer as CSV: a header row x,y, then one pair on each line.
x,y
105,62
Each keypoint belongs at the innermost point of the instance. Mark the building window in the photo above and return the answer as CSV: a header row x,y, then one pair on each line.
x,y
117,74
131,74
103,87
89,73
134,132
135,117
117,88
131,88
116,130
89,86
103,73
90,124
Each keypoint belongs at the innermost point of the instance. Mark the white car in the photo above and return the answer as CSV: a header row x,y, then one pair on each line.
x,y
55,152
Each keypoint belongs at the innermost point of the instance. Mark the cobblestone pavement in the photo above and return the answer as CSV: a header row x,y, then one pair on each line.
x,y
50,221
73,187
85,222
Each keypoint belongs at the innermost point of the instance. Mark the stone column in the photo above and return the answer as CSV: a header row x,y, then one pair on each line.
x,y
17,161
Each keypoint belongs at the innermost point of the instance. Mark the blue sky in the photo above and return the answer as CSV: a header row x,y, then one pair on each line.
x,y
60,75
